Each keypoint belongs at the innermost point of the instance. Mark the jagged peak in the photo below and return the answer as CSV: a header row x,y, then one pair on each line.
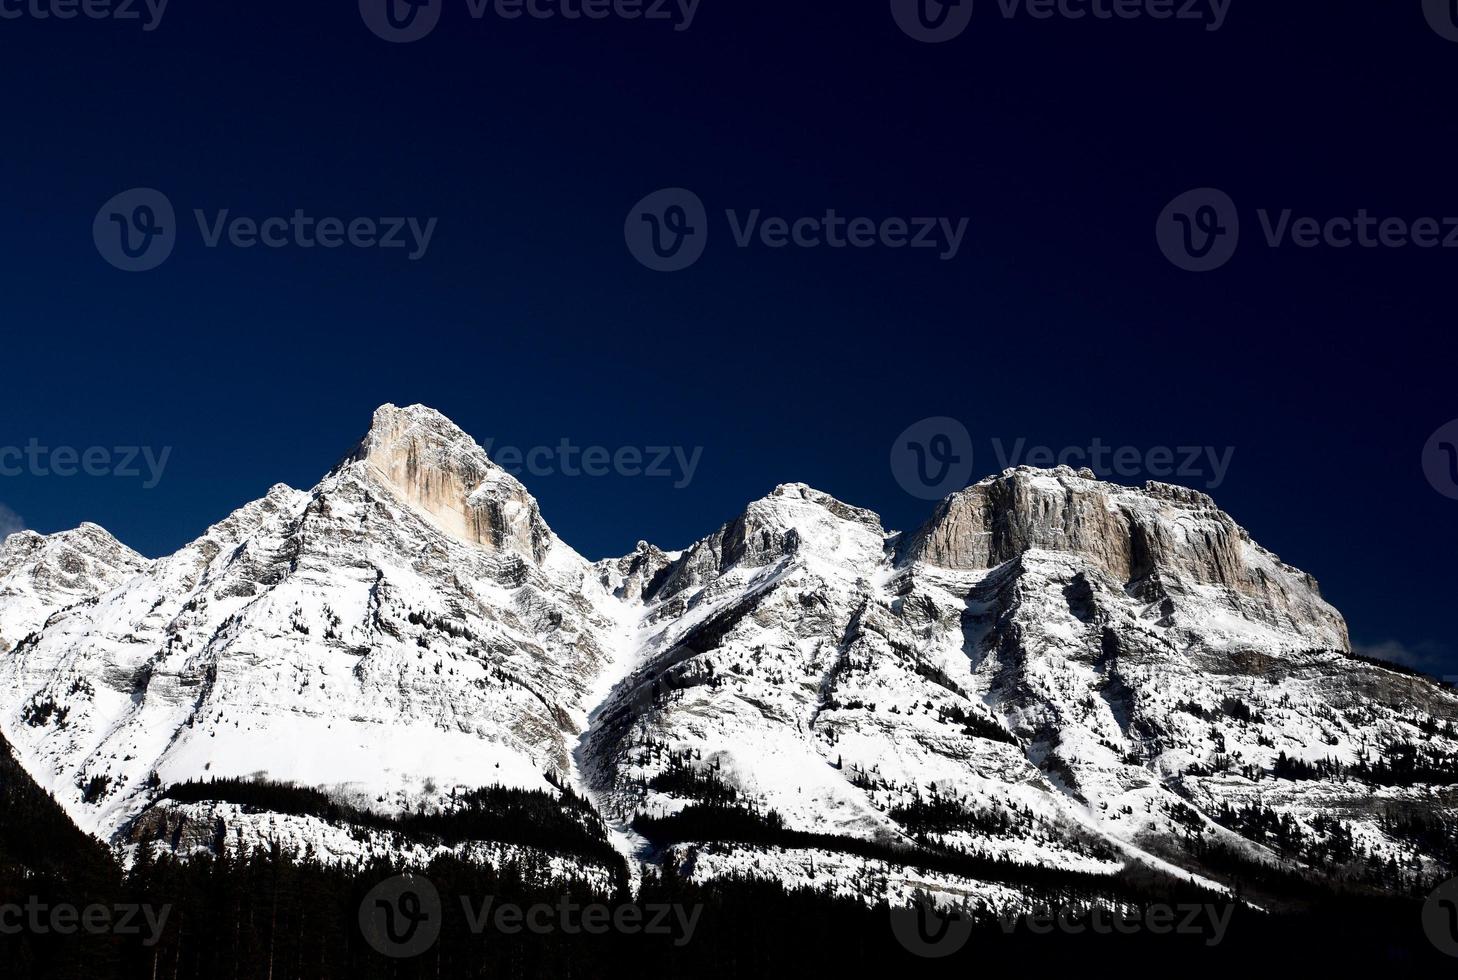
x,y
797,493
443,472
794,521
422,428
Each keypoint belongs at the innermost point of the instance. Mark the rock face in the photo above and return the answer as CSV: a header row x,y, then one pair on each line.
x,y
432,464
1151,541
1053,670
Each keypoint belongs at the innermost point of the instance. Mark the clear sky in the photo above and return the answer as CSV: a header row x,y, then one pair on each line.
x,y
528,320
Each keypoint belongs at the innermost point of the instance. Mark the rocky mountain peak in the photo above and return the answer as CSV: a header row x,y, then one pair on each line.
x,y
793,522
792,495
419,428
87,548
1159,541
429,461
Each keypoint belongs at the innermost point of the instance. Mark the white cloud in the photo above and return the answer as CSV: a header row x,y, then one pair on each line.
x,y
1421,656
10,522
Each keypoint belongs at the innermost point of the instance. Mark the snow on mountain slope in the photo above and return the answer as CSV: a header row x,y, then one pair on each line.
x,y
1053,671
42,574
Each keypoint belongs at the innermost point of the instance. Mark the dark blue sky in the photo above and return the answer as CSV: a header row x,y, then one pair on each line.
x,y
528,321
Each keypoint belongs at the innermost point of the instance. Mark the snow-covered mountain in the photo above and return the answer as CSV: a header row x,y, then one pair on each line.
x,y
40,575
1053,671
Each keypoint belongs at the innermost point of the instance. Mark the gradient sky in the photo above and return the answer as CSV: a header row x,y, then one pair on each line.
x,y
529,322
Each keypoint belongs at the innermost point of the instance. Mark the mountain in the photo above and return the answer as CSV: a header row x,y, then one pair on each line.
x,y
1053,670
1052,673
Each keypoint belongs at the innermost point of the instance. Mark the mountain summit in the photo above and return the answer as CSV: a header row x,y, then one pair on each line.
x,y
423,456
1053,671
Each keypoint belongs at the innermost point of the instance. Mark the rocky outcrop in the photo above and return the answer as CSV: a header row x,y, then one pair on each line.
x,y
1161,541
177,828
633,575
438,468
